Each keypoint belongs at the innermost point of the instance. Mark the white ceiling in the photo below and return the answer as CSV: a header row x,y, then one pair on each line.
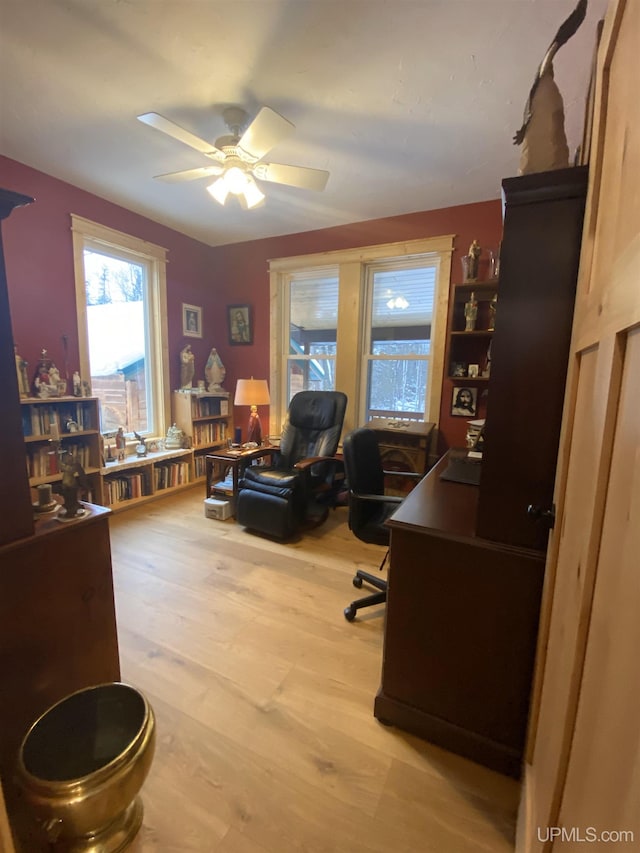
x,y
409,104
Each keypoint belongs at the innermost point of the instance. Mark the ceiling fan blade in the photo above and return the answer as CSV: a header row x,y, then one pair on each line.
x,y
190,174
292,176
159,122
266,130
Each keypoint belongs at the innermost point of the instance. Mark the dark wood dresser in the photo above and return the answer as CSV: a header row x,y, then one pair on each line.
x,y
467,562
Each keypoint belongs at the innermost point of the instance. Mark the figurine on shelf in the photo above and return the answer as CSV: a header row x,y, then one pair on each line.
x,y
493,304
77,384
73,479
214,371
470,313
187,367
141,446
21,370
471,262
42,384
121,445
174,439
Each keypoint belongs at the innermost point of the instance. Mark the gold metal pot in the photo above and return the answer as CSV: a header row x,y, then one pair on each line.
x,y
81,766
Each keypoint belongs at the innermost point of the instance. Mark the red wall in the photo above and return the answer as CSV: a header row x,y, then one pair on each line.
x,y
39,261
241,270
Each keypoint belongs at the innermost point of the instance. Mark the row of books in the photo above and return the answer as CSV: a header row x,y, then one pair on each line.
x,y
125,487
206,407
209,433
171,474
39,419
43,462
200,465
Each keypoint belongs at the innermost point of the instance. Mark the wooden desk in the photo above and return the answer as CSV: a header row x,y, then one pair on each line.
x,y
460,629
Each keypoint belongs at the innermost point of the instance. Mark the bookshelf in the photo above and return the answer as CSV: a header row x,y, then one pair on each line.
x,y
75,422
136,480
206,419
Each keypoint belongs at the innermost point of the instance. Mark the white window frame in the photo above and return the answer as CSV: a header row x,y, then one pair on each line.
x,y
289,277
88,234
367,356
352,265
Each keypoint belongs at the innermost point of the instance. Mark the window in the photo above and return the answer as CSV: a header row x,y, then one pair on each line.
x,y
400,301
313,323
369,322
121,303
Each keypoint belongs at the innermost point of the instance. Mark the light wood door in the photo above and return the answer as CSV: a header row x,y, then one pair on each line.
x,y
582,777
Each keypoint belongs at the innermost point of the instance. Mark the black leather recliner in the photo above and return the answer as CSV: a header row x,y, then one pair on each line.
x,y
294,491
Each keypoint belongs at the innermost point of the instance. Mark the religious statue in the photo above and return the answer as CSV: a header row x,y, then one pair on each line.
x,y
77,384
470,313
73,479
471,262
214,371
21,370
187,366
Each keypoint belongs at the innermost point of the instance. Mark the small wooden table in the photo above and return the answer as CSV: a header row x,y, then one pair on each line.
x,y
217,463
404,445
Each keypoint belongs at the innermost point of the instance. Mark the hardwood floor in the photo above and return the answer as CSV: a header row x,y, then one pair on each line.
x,y
263,694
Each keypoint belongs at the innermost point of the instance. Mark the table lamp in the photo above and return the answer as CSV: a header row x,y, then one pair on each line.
x,y
253,392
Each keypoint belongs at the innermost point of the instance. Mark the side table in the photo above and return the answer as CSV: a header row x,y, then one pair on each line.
x,y
217,463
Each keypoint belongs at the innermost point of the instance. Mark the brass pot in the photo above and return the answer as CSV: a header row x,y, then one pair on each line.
x,y
81,766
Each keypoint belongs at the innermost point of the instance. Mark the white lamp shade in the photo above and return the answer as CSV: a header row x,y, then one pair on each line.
x,y
219,190
252,392
252,195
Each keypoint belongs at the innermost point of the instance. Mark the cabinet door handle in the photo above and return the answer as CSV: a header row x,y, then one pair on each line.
x,y
548,516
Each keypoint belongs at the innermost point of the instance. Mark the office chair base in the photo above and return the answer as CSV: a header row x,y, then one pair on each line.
x,y
369,600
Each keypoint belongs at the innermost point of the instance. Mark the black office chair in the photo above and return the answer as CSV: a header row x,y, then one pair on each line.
x,y
296,490
369,507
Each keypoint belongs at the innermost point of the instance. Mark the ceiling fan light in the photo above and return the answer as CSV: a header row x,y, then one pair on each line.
x,y
235,180
252,195
219,190
398,302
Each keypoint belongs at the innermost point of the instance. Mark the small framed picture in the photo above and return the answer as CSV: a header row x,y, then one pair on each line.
x,y
458,368
464,401
240,324
474,371
191,321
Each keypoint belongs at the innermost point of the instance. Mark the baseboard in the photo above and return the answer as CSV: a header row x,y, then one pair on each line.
x,y
463,742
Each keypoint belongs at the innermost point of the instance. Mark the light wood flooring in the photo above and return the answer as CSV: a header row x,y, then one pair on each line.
x,y
263,694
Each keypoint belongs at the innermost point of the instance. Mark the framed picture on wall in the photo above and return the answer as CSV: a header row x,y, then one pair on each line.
x,y
240,324
464,401
191,321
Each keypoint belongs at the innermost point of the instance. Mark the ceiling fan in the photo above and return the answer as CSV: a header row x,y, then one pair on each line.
x,y
238,156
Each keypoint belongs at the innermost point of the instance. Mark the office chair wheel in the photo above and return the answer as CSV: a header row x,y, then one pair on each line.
x,y
357,582
350,613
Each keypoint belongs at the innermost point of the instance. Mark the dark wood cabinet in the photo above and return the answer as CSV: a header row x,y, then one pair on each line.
x,y
16,516
529,352
467,562
460,630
